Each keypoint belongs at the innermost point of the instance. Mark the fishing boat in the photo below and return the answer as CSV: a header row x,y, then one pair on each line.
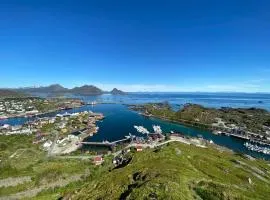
x,y
157,129
256,148
141,129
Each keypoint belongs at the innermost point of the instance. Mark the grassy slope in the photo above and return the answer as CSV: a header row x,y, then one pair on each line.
x,y
176,171
29,160
196,172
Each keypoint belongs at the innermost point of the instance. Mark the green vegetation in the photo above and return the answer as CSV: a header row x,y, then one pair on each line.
x,y
251,119
193,173
174,171
45,107
20,158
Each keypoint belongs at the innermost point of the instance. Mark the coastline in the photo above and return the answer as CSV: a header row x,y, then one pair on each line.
x,y
38,114
167,116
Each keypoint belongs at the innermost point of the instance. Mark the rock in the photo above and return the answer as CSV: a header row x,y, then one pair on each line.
x,y
178,151
249,181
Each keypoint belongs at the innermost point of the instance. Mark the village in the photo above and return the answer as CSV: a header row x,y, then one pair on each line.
x,y
60,134
31,106
132,143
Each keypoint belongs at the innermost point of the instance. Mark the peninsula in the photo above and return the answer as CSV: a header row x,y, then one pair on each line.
x,y
250,123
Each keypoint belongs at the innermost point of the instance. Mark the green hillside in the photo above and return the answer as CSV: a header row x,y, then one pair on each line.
x,y
174,171
179,171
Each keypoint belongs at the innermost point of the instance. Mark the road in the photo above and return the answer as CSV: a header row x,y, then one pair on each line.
x,y
154,145
83,157
53,144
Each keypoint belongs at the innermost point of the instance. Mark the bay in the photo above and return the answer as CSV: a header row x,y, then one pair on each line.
x,y
119,120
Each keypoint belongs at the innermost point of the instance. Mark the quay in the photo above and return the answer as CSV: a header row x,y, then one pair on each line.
x,y
238,136
109,144
245,137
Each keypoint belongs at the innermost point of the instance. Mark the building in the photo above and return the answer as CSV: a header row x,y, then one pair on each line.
x,y
139,148
98,160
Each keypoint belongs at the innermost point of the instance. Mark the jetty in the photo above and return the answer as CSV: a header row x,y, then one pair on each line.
x,y
109,144
239,136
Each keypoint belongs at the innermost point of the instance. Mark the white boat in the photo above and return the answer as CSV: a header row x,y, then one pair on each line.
x,y
93,103
141,129
157,129
256,148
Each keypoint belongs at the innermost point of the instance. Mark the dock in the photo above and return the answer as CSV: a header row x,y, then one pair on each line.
x,y
98,143
108,144
239,136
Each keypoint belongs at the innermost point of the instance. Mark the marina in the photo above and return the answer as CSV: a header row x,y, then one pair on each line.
x,y
256,148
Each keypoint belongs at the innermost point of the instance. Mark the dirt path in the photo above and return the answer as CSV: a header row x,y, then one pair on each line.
x,y
34,191
14,181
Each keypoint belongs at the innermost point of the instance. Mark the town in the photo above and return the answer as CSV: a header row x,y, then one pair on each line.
x,y
65,133
31,106
60,134
151,140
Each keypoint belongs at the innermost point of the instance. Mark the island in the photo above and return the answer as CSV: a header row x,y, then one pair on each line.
x,y
247,123
115,91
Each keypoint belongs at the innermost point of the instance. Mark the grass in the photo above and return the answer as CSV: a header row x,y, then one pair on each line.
x,y
19,157
174,171
196,172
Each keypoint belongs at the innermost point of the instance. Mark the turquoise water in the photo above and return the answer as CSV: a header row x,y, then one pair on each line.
x,y
119,120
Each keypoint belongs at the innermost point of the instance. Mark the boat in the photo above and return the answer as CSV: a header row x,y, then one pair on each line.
x,y
217,132
93,103
157,129
256,148
141,129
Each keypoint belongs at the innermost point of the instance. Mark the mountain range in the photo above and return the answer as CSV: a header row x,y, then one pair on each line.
x,y
59,89
10,93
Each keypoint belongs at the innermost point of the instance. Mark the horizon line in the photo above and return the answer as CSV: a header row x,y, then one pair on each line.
x,y
141,90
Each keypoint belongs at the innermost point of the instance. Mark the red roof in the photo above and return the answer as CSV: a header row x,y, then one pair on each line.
x,y
97,159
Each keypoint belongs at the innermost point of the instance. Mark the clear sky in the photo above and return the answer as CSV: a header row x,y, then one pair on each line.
x,y
219,45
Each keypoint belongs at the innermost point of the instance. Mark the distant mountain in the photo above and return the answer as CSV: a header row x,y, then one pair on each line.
x,y
4,93
115,91
86,90
55,88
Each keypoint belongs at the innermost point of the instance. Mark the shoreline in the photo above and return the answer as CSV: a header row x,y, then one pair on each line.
x,y
37,115
201,127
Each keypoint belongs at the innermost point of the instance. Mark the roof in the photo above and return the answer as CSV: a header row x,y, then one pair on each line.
x,y
98,158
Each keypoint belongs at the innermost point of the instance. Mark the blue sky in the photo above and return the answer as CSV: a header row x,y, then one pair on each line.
x,y
137,45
